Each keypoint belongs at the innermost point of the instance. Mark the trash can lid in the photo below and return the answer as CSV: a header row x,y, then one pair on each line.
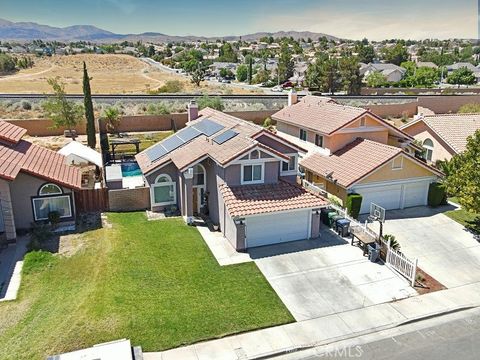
x,y
343,221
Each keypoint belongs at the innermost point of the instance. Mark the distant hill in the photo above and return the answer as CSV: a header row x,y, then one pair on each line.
x,y
28,31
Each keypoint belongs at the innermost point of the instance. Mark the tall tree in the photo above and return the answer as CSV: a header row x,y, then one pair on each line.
x,y
396,54
330,76
198,75
285,63
462,76
63,112
350,75
89,114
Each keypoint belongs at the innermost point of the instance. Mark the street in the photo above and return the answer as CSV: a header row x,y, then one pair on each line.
x,y
453,336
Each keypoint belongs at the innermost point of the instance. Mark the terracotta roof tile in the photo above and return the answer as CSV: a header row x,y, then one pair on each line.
x,y
352,162
22,155
11,133
454,129
267,198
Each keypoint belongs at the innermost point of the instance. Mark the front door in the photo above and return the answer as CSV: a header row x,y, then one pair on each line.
x,y
195,200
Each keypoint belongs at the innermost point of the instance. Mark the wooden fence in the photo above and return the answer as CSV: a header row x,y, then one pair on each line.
x,y
91,200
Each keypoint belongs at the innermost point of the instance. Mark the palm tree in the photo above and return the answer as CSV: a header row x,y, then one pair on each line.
x,y
394,244
112,119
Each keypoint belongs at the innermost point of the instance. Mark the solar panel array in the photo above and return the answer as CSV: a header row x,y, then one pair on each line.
x,y
206,127
225,136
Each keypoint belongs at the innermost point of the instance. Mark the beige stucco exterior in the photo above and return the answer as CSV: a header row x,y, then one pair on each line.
x,y
421,132
328,186
410,169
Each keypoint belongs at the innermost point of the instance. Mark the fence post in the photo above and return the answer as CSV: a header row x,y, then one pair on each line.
x,y
414,272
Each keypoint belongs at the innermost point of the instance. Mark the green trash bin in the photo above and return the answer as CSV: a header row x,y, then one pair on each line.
x,y
332,219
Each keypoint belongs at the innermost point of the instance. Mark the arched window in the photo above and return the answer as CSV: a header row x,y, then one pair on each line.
x,y
255,154
163,191
50,189
428,149
198,175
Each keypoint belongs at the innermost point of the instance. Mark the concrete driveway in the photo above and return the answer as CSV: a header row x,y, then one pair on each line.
x,y
325,276
444,249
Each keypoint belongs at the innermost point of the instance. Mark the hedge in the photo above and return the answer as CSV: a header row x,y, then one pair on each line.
x,y
353,204
436,195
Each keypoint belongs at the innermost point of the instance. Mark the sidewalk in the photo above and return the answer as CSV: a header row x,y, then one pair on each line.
x,y
286,338
11,263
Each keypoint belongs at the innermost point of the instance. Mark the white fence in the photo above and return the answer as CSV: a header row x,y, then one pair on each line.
x,y
394,259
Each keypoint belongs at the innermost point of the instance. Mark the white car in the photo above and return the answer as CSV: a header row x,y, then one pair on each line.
x,y
277,88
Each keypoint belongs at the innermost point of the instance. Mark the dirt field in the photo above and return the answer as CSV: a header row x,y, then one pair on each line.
x,y
111,74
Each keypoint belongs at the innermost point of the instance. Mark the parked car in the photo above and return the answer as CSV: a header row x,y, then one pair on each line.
x,y
277,88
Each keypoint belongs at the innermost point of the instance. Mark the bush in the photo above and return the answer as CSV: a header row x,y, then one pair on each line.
x,y
26,105
39,234
469,108
170,87
353,204
214,102
436,195
158,109
267,124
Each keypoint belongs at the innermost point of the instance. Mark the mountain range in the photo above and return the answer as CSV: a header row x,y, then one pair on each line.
x,y
28,31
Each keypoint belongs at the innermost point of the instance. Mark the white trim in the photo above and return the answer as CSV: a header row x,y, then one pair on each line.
x,y
200,187
261,181
362,129
295,167
60,192
392,182
281,212
161,184
238,160
44,197
148,173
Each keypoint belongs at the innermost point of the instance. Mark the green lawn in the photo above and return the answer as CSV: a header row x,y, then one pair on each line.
x,y
467,219
146,140
155,283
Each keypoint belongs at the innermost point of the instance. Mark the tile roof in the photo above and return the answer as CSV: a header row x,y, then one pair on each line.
x,y
37,161
11,133
202,145
247,200
454,129
319,113
353,162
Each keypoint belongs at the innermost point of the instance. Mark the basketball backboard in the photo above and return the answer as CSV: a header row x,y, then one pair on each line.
x,y
377,212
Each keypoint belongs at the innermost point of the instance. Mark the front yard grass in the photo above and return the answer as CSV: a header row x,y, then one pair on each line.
x,y
468,219
154,282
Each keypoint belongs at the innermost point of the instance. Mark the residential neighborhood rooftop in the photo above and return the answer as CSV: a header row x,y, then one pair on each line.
x,y
268,198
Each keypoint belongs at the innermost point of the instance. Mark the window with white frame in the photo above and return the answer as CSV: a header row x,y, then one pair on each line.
x,y
51,199
291,165
198,175
319,140
163,191
428,149
363,122
303,134
397,163
252,174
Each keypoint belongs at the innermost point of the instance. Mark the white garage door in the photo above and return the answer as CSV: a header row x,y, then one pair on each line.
x,y
416,194
387,197
277,228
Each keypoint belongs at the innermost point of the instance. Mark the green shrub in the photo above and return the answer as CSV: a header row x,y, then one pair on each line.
x,y
214,102
436,195
353,204
38,260
39,234
171,86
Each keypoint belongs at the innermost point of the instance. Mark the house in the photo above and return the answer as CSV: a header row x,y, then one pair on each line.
x,y
34,182
240,175
427,64
299,72
392,72
444,135
351,150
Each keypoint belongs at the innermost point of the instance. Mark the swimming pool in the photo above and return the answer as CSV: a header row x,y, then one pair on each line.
x,y
131,169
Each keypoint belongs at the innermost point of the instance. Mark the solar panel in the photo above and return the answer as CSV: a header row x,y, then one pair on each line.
x,y
208,127
188,134
156,152
227,135
172,143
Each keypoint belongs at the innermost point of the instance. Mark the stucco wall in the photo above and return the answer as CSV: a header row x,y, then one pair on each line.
x,y
410,169
276,145
7,210
329,186
22,189
170,170
340,140
129,199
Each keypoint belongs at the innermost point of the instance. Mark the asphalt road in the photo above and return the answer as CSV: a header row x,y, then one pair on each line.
x,y
450,337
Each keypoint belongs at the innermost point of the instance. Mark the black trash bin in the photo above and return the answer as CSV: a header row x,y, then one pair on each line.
x,y
324,216
343,227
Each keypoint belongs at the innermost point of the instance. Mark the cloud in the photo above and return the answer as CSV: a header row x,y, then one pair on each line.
x,y
125,6
416,23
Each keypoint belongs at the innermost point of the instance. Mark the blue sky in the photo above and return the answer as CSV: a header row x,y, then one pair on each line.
x,y
375,19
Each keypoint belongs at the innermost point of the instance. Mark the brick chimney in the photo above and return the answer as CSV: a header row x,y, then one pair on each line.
x,y
192,111
292,97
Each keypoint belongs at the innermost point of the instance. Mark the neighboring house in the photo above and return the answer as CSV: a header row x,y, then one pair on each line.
x,y
352,150
392,72
299,73
239,174
216,67
34,181
443,136
427,64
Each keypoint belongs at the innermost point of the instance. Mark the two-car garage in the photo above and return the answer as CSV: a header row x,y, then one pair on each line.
x,y
394,196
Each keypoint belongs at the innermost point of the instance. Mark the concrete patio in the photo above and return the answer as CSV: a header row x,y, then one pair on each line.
x,y
11,263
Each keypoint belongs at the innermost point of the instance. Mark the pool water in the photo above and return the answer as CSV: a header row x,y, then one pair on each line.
x,y
131,169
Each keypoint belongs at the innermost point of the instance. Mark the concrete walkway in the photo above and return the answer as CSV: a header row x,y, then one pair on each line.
x,y
327,329
11,263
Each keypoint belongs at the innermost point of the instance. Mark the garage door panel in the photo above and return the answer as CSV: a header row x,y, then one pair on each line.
x,y
387,197
277,228
416,194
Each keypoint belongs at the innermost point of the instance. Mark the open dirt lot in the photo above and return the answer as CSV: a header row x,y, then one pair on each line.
x,y
111,74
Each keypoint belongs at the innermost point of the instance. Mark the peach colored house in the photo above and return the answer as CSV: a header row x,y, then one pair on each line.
x,y
352,150
443,136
